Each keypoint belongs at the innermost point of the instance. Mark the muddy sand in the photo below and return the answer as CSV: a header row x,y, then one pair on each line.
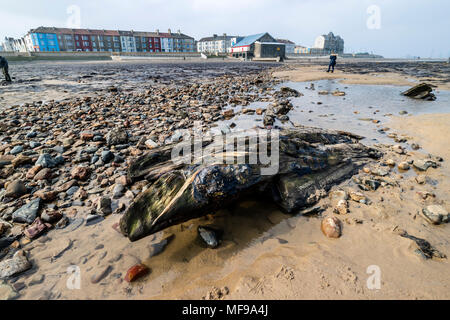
x,y
265,253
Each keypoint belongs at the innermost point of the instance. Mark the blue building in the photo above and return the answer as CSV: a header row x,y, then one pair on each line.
x,y
43,42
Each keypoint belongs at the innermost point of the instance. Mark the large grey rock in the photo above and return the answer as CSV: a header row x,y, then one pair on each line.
x,y
28,212
15,265
46,161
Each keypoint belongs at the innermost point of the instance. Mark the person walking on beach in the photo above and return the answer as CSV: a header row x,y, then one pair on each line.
x,y
4,67
333,58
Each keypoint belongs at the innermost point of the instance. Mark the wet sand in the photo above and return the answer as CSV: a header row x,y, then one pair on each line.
x,y
267,254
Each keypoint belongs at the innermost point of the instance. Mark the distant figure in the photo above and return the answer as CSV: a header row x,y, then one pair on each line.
x,y
333,58
4,66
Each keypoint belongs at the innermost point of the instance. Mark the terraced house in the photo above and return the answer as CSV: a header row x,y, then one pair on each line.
x,y
48,39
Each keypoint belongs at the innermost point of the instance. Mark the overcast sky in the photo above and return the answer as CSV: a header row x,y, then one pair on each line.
x,y
392,28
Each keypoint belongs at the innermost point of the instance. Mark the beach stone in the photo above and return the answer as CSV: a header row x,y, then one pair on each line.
x,y
93,219
118,190
46,161
151,144
80,173
15,265
51,216
71,191
7,292
104,206
228,113
33,171
28,212
16,150
210,236
421,179
67,185
423,165
403,165
390,162
135,272
34,144
46,195
331,227
435,214
116,136
398,149
342,207
35,229
21,160
16,189
44,174
357,196
107,156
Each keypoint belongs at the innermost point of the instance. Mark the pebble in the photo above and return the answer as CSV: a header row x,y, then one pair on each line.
x,y
435,214
15,265
210,236
16,189
403,165
135,272
331,227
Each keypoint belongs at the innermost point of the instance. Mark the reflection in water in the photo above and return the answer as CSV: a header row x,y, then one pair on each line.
x,y
353,112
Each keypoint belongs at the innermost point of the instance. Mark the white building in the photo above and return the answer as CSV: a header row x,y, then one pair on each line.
x,y
328,43
128,41
217,44
9,45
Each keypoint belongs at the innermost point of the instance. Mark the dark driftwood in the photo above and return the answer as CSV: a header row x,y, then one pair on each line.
x,y
420,91
310,160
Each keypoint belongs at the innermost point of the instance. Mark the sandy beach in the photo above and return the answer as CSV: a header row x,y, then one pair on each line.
x,y
265,253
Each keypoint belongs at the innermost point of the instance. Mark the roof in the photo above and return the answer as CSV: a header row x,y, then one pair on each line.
x,y
248,40
108,32
285,41
217,38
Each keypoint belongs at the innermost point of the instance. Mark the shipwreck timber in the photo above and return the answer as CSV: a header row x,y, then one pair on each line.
x,y
310,161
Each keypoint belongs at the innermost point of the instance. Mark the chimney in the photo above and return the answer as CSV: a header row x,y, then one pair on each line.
x,y
157,32
224,34
179,31
214,35
170,32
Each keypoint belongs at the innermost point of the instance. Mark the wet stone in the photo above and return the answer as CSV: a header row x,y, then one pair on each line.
x,y
435,214
28,212
210,236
